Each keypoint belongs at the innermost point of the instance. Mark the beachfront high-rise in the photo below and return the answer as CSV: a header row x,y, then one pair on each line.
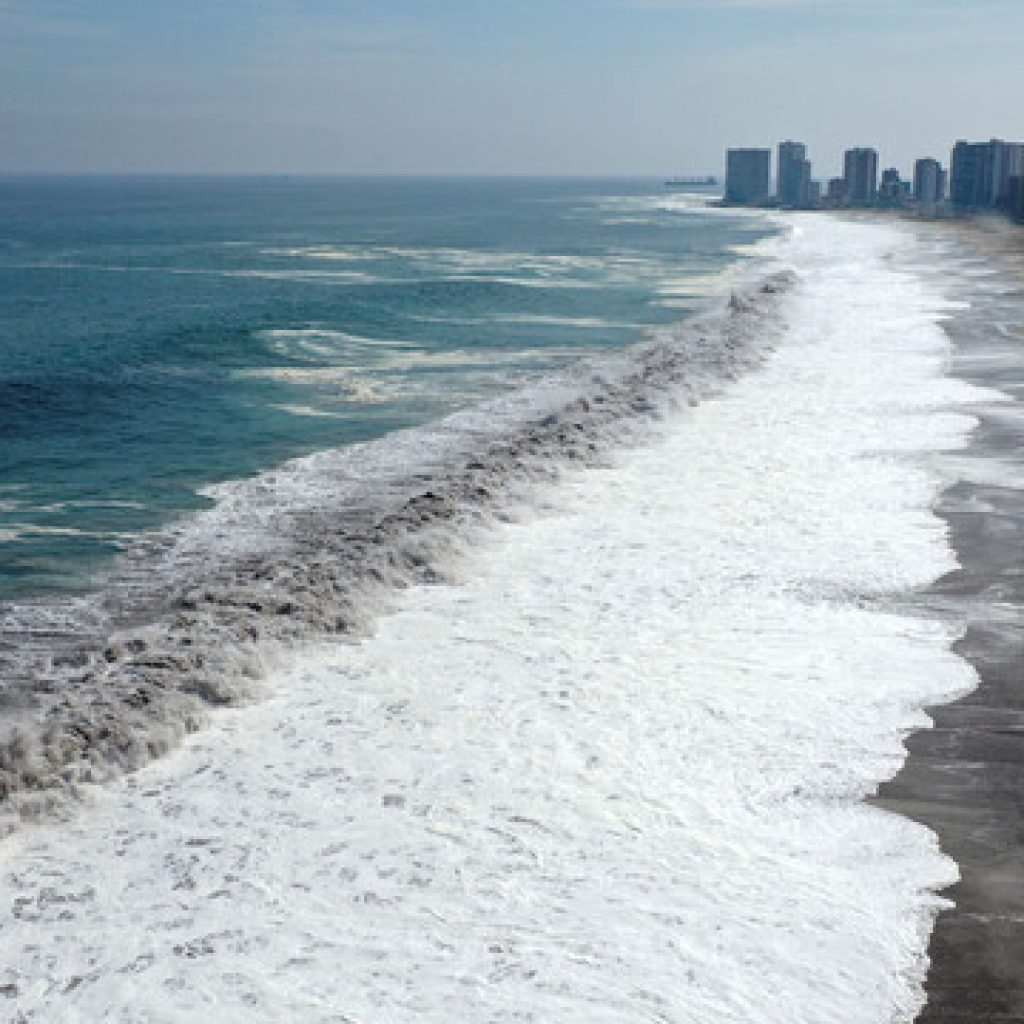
x,y
794,174
891,190
860,173
970,174
929,182
982,175
748,176
980,172
1014,205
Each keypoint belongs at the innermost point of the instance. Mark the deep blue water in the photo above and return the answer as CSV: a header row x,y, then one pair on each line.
x,y
159,335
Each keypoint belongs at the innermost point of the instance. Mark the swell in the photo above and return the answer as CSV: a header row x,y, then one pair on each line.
x,y
193,618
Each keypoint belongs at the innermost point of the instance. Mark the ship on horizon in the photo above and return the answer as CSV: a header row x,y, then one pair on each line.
x,y
690,181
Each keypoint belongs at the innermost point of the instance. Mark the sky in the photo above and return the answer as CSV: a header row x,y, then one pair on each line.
x,y
602,87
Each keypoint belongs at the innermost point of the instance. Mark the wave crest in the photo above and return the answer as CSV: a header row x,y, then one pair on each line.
x,y
194,617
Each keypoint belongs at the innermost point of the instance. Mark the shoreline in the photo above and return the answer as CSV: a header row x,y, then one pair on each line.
x,y
964,778
699,851
981,218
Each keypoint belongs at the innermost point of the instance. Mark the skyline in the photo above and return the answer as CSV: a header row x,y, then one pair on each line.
x,y
645,87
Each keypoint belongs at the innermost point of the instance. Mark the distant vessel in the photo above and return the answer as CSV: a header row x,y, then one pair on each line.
x,y
691,182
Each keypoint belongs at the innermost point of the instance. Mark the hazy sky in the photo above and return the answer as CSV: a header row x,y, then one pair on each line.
x,y
519,86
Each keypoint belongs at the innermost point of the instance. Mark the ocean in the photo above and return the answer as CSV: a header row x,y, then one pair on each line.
x,y
161,336
467,600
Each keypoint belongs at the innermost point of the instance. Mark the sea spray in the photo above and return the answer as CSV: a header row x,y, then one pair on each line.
x,y
192,619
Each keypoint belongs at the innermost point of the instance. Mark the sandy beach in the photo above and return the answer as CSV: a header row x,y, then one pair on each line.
x,y
965,778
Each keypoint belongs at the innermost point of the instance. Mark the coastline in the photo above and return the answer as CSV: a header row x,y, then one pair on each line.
x,y
964,778
424,778
974,221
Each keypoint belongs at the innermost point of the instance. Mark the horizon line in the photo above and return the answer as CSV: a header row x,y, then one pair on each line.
x,y
551,175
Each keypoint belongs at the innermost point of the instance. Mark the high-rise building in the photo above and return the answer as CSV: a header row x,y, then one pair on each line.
x,y
748,176
860,172
980,172
891,189
804,185
1015,197
970,168
1007,163
929,182
794,174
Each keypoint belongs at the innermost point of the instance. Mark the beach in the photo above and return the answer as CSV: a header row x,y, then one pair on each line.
x,y
964,778
604,747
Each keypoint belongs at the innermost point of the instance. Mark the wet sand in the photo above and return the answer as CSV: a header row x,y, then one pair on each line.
x,y
964,779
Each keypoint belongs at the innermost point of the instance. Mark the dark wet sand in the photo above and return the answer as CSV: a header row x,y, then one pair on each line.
x,y
964,779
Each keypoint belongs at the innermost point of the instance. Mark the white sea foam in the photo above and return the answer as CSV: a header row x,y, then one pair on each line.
x,y
530,319
310,276
306,275
408,359
28,529
322,252
988,471
308,411
485,357
519,269
317,343
684,204
543,282
340,382
371,378
64,506
614,775
326,334
450,257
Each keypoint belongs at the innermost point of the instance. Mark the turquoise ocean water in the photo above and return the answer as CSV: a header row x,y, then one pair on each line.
x,y
158,335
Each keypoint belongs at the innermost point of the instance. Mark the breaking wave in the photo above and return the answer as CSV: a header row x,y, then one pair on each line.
x,y
192,618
